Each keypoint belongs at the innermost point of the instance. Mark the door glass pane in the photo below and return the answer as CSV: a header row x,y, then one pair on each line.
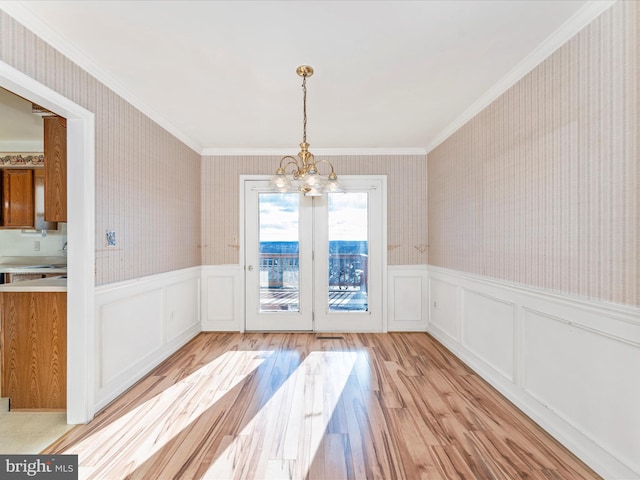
x,y
279,252
348,252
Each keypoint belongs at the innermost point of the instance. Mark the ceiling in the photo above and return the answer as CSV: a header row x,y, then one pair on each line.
x,y
20,130
221,74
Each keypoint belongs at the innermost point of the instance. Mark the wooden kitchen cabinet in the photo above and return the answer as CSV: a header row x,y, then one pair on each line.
x,y
34,349
18,210
39,187
55,169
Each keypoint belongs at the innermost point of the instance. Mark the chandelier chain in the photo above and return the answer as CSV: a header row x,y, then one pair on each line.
x,y
304,109
303,169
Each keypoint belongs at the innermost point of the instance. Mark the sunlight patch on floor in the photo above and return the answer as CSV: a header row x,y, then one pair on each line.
x,y
296,419
140,433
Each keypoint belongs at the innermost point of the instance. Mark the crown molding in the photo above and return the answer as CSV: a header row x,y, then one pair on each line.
x,y
324,152
583,17
23,15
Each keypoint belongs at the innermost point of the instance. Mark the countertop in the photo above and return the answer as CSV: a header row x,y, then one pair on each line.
x,y
51,284
35,265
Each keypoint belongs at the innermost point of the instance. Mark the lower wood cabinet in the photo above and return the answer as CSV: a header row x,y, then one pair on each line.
x,y
34,349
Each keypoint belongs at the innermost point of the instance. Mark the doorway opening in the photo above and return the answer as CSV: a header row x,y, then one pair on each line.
x,y
80,235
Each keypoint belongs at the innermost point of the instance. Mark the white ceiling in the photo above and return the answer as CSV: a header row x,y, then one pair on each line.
x,y
20,130
388,74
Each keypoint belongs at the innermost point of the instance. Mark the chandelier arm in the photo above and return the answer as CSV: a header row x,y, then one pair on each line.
x,y
295,172
328,163
304,168
288,157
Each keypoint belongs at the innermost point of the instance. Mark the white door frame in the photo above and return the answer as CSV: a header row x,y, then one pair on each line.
x,y
383,182
80,236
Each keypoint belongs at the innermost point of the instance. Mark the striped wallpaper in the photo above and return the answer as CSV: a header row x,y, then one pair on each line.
x,y
406,202
541,187
146,180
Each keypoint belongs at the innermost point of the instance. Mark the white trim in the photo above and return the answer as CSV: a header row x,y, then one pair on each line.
x,y
318,152
80,235
528,343
164,308
567,30
228,312
20,12
407,298
628,313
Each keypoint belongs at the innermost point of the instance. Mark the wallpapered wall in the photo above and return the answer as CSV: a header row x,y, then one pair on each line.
x,y
147,181
542,186
406,202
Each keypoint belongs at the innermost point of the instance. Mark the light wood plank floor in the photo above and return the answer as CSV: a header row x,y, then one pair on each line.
x,y
271,406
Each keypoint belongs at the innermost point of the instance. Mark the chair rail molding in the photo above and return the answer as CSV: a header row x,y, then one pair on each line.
x,y
564,361
140,323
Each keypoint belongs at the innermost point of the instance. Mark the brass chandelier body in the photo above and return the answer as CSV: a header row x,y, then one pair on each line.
x,y
304,168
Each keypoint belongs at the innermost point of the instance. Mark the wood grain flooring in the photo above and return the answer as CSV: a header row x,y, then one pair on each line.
x,y
277,405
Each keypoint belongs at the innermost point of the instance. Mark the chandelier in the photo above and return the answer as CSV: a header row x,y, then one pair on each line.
x,y
303,170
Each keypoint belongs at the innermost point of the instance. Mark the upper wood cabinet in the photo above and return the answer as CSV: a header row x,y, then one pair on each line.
x,y
18,209
38,185
55,169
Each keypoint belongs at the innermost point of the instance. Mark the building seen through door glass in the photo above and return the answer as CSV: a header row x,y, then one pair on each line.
x,y
348,249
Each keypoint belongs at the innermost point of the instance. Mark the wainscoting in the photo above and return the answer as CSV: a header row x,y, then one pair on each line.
x,y
139,323
570,364
222,298
407,306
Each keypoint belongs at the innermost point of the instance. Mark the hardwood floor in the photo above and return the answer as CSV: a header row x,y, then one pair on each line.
x,y
271,406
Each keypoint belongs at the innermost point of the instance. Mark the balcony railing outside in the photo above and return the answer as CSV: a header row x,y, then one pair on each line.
x,y
279,281
346,271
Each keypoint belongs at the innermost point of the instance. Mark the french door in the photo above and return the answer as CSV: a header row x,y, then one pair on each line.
x,y
315,263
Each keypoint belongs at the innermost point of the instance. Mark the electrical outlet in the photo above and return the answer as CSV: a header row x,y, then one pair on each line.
x,y
111,238
36,245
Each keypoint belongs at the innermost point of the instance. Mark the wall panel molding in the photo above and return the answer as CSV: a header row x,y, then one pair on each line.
x,y
222,298
565,361
139,323
407,298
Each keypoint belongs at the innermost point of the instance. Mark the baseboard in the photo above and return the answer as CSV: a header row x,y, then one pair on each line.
x,y
564,361
139,324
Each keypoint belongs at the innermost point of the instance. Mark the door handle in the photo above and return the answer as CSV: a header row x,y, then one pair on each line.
x,y
250,268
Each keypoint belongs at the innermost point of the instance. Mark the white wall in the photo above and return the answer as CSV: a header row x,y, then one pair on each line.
x,y
570,364
16,243
138,324
407,301
222,298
